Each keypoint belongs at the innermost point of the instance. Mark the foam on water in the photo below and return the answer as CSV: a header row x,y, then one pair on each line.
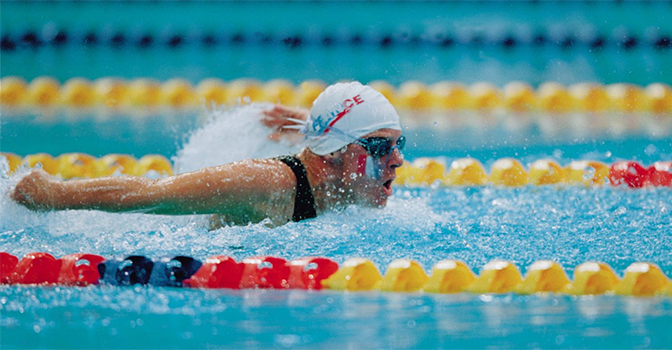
x,y
229,135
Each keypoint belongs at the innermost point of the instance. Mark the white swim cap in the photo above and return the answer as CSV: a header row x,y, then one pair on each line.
x,y
345,111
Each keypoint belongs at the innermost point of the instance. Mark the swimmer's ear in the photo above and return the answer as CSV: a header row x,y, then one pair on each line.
x,y
336,157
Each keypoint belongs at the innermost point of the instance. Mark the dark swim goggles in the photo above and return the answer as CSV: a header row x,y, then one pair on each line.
x,y
379,147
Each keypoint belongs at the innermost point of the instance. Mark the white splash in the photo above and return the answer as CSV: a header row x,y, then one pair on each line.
x,y
229,135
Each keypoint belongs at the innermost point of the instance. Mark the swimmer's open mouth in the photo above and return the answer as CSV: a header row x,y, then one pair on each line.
x,y
388,185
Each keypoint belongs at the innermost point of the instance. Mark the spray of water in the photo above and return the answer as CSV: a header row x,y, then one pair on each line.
x,y
230,135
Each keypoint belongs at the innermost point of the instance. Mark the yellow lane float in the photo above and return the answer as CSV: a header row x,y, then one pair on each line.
x,y
466,172
519,97
278,91
243,91
592,278
43,92
211,91
642,279
155,163
508,172
449,276
449,96
144,93
497,277
356,274
484,97
78,92
546,172
178,93
76,165
48,163
627,98
111,92
544,276
587,172
13,91
428,171
554,98
660,98
403,275
590,97
80,165
112,163
413,95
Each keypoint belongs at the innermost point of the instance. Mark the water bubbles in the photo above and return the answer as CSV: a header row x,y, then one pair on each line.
x,y
650,150
620,211
287,340
557,153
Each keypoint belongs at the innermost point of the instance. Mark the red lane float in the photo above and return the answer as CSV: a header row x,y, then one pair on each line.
x,y
265,272
8,263
217,272
308,272
660,174
632,174
36,268
79,269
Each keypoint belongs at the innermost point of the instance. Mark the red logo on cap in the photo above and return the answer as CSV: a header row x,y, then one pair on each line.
x,y
347,105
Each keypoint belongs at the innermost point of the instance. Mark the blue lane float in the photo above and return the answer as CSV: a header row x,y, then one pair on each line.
x,y
137,269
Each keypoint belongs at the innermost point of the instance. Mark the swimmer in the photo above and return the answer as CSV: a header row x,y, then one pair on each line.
x,y
353,143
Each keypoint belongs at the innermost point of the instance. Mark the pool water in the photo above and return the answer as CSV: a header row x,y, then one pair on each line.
x,y
146,317
495,42
567,224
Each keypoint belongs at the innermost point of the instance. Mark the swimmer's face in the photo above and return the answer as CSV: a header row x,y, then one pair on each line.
x,y
365,189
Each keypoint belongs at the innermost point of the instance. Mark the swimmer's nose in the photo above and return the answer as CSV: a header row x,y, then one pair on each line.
x,y
396,159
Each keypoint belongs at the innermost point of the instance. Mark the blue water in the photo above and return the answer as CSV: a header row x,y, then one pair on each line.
x,y
567,224
172,318
464,61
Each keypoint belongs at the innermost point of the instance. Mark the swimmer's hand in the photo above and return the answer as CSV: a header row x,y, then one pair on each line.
x,y
277,118
35,191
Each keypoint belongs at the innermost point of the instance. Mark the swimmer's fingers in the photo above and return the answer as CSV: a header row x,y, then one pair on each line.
x,y
279,116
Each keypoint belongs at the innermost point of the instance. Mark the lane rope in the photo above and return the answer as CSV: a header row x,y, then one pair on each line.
x,y
445,96
506,172
509,39
640,279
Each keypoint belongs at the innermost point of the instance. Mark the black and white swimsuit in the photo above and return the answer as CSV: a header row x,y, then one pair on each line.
x,y
304,202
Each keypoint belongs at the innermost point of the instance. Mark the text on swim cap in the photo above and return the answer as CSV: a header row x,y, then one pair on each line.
x,y
323,122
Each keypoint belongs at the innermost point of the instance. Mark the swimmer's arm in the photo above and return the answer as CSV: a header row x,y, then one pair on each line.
x,y
234,189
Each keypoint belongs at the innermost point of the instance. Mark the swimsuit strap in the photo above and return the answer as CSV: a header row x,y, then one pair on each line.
x,y
304,202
